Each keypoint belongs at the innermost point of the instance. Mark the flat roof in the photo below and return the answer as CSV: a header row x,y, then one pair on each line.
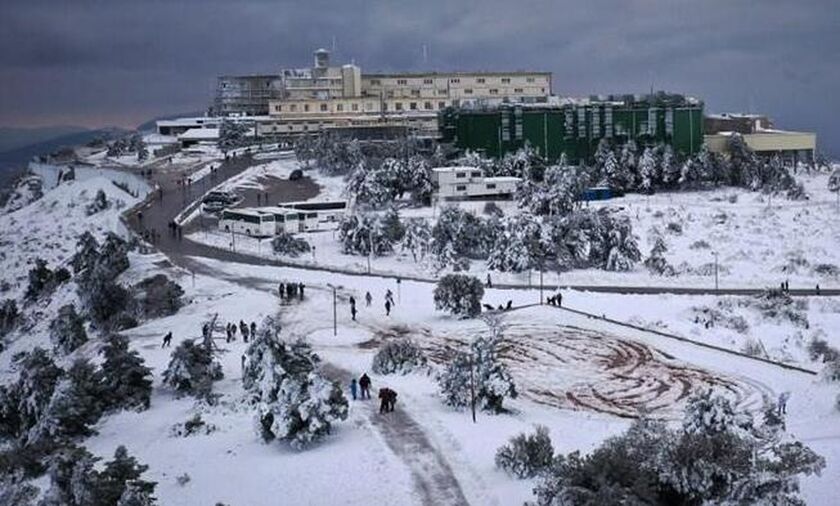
x,y
453,169
459,73
502,179
248,211
200,133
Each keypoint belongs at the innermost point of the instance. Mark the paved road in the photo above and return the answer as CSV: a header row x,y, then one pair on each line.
x,y
162,208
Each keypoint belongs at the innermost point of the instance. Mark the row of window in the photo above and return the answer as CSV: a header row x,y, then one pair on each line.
x,y
354,107
452,80
463,188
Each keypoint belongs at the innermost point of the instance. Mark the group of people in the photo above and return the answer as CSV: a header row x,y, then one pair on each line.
x,y
555,300
175,230
389,303
244,329
502,307
361,389
290,291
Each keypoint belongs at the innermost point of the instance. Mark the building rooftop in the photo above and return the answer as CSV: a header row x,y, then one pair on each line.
x,y
438,73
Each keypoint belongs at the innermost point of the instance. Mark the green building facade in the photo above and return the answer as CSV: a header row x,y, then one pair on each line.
x,y
576,129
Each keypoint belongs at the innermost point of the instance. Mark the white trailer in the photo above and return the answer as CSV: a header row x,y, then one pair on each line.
x,y
463,183
252,222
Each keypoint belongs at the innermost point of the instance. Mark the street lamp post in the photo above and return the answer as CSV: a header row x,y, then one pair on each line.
x,y
715,253
335,310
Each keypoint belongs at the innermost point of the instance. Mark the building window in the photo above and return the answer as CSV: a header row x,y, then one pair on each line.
x,y
427,81
460,175
441,105
454,80
413,106
355,107
415,93
375,82
460,188
323,107
399,106
494,91
339,107
305,107
480,80
278,108
402,81
506,80
468,91
427,106
475,174
305,127
518,90
530,79
491,186
293,107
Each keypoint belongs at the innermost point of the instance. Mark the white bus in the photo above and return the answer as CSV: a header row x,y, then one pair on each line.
x,y
293,221
327,211
252,222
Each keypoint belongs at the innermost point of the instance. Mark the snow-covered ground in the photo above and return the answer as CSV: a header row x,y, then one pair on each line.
x,y
577,376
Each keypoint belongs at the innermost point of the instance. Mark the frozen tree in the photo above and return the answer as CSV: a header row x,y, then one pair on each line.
x,y
628,157
670,167
402,356
656,262
192,370
157,296
418,235
25,401
127,380
558,193
285,243
100,203
617,175
294,402
361,233
232,135
74,481
518,245
105,301
142,151
834,183
87,252
648,172
601,155
458,236
459,294
67,330
9,316
75,406
620,244
40,280
479,370
374,186
526,455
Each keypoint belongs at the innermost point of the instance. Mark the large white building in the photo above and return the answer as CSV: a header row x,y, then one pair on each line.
x,y
465,183
324,96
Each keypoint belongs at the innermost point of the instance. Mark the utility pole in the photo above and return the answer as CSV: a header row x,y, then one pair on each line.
x,y
715,253
335,310
472,385
541,282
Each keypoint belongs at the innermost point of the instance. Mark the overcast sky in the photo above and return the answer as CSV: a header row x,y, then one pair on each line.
x,y
118,62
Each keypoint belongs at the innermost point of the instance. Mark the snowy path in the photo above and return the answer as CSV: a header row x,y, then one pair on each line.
x,y
434,479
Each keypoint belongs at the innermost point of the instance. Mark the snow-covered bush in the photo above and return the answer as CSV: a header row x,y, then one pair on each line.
x,y
294,402
417,238
600,238
285,243
192,370
402,356
195,425
157,296
42,280
777,305
526,455
717,456
457,237
459,294
482,370
126,379
656,262
67,330
99,203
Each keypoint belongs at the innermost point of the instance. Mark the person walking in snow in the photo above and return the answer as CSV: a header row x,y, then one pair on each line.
x,y
353,312
387,308
253,330
389,296
281,289
383,400
783,399
489,281
228,335
364,385
559,299
300,292
243,328
243,363
368,299
167,340
353,388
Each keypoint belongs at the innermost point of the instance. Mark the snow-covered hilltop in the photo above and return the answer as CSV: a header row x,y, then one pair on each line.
x,y
412,350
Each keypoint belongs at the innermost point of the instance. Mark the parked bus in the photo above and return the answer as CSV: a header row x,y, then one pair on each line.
x,y
293,221
252,222
327,211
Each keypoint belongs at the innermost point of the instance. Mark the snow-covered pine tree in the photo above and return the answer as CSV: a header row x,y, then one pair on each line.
x,y
649,177
656,262
40,280
126,379
294,402
526,455
459,294
618,176
458,236
670,167
518,245
67,330
76,405
628,158
232,135
416,239
120,481
87,252
192,370
9,316
24,402
834,183
622,250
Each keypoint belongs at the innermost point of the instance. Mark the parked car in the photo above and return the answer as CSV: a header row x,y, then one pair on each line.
x,y
295,175
224,197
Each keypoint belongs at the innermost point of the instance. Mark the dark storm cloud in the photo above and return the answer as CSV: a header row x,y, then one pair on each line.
x,y
123,61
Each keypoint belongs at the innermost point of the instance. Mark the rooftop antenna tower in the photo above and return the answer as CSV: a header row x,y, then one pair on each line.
x,y
333,44
425,54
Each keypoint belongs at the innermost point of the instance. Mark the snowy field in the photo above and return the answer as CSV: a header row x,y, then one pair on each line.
x,y
759,242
